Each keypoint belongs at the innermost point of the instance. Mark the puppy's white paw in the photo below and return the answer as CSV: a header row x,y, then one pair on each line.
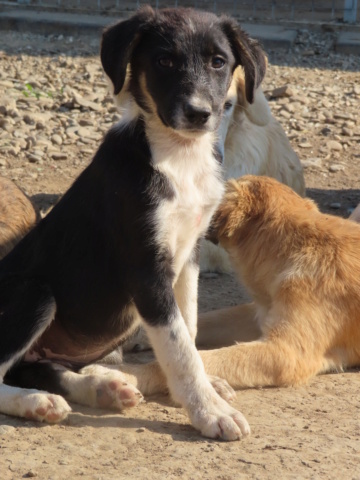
x,y
105,387
43,407
222,387
112,392
220,421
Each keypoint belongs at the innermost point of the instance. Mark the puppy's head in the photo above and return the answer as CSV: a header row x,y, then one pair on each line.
x,y
179,64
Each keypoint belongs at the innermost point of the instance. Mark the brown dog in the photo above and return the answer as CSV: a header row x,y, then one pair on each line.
x,y
17,215
254,144
302,269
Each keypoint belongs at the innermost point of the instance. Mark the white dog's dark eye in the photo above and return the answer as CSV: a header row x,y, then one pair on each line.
x,y
227,105
217,62
165,61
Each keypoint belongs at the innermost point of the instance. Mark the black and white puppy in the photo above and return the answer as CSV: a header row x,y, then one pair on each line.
x,y
120,248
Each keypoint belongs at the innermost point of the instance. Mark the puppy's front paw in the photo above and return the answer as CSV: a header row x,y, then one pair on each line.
x,y
221,421
222,388
44,407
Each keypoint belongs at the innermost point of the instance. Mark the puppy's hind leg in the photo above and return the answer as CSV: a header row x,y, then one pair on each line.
x,y
94,386
27,308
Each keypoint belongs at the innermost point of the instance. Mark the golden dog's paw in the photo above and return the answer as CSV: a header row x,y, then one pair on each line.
x,y
222,387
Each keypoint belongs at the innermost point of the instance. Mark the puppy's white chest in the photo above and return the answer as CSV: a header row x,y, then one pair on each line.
x,y
196,181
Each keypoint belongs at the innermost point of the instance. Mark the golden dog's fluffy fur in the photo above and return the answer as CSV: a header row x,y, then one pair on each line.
x,y
256,144
17,215
302,269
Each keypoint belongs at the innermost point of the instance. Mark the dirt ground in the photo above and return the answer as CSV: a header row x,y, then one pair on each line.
x,y
54,109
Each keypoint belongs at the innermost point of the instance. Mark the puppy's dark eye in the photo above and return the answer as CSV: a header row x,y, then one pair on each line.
x,y
217,62
227,105
165,61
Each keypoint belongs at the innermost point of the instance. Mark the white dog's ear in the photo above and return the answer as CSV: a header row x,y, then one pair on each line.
x,y
248,53
257,112
118,43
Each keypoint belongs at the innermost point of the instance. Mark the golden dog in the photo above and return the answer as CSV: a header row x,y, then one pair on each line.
x,y
17,215
254,143
302,269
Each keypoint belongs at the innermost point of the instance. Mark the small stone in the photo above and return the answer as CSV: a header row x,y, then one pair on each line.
x,y
86,123
79,100
334,145
311,162
305,145
6,429
14,151
326,131
141,430
28,119
284,91
34,158
335,205
336,167
31,474
56,139
347,132
58,156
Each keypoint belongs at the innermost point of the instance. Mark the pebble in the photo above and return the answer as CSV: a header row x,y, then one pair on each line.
x,y
31,474
6,429
34,158
311,162
336,168
335,205
347,131
56,139
284,91
334,145
58,156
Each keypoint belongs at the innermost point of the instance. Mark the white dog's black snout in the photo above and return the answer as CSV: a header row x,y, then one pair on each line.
x,y
197,113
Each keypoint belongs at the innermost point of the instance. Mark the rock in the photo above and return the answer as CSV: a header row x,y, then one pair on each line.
x,y
336,167
6,429
6,104
335,205
284,91
56,139
83,122
79,100
58,156
34,158
347,131
311,162
334,145
325,131
305,145
31,474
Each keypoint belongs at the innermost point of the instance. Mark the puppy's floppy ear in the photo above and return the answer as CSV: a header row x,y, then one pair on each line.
x,y
118,43
248,53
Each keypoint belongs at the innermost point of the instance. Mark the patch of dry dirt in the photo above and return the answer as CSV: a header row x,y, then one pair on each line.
x,y
47,136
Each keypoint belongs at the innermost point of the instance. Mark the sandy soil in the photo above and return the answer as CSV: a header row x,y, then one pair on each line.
x,y
307,432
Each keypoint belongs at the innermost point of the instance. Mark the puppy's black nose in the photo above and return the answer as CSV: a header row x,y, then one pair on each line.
x,y
197,114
